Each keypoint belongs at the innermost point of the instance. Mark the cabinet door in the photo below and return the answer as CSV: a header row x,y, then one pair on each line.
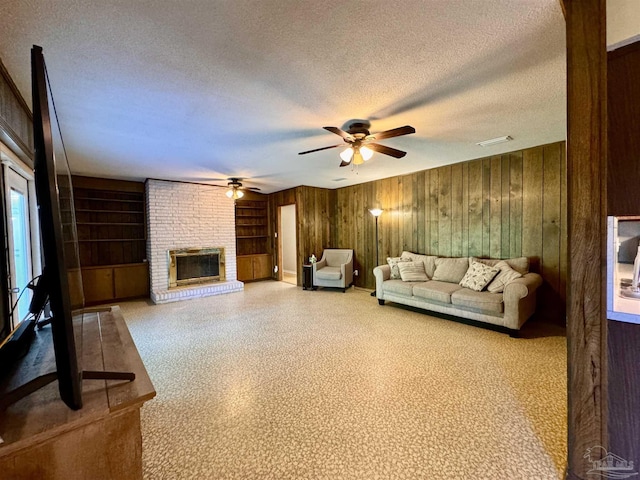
x,y
245,267
97,284
131,281
261,266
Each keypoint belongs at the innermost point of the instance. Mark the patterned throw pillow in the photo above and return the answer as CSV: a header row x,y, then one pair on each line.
x,y
506,275
478,276
393,263
412,272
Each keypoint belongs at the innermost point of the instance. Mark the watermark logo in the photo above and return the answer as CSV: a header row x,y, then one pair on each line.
x,y
608,465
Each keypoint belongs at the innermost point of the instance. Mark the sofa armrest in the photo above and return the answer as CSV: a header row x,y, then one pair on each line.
x,y
519,298
382,273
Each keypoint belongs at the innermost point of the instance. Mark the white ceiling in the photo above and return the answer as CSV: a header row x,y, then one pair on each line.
x,y
195,90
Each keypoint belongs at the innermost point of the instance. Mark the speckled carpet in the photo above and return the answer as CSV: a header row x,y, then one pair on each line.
x,y
280,383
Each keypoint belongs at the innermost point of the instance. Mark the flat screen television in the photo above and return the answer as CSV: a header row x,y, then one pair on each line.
x,y
61,280
61,275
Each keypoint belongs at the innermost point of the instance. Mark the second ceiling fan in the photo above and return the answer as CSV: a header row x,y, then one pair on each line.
x,y
361,146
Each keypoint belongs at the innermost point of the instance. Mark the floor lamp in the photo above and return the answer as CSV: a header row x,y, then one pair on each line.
x,y
376,212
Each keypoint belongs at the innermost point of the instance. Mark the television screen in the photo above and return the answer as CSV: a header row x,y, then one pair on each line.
x,y
61,273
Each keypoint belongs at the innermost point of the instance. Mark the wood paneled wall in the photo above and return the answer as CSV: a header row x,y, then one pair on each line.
x,y
501,206
315,209
16,128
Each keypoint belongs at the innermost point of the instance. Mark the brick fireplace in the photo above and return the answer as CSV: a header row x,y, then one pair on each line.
x,y
186,217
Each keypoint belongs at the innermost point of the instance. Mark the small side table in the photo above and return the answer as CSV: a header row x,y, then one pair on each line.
x,y
307,277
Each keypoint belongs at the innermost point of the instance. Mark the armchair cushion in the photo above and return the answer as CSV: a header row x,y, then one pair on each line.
x,y
329,273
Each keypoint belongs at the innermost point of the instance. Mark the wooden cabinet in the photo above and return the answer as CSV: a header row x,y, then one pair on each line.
x,y
110,219
252,237
254,267
115,282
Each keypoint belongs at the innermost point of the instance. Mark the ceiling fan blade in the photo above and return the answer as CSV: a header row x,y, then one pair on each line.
x,y
342,133
395,132
249,188
319,149
386,150
344,164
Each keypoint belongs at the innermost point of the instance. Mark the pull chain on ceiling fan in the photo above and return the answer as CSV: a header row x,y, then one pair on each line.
x,y
360,147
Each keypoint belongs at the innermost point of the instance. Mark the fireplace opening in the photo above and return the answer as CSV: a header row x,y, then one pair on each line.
x,y
195,265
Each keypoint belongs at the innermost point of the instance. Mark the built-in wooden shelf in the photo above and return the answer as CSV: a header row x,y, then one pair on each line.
x,y
137,224
111,224
113,240
91,210
252,234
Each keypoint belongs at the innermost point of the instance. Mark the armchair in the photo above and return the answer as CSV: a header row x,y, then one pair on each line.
x,y
334,269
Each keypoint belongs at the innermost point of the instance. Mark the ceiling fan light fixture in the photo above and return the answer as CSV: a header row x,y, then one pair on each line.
x,y
346,154
366,153
234,193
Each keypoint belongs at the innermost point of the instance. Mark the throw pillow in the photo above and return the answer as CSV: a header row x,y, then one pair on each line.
x,y
412,272
478,276
506,275
428,260
393,263
450,270
520,264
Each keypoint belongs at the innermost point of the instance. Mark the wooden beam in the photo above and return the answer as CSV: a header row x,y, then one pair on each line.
x,y
586,203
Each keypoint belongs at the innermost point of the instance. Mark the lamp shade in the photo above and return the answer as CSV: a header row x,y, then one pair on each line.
x,y
376,212
366,153
346,154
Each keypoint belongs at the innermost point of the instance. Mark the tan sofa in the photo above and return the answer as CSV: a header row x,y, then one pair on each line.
x,y
442,293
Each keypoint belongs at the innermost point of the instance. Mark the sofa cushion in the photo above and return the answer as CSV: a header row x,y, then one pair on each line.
x,y
398,287
450,269
506,275
412,272
393,264
435,290
483,302
520,264
478,276
428,260
329,273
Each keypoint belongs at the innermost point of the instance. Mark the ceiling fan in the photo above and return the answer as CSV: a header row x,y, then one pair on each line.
x,y
236,190
360,140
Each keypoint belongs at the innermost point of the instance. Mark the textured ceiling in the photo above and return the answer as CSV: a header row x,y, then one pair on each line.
x,y
196,90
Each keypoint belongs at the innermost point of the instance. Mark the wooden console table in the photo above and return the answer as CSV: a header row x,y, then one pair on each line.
x,y
44,439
